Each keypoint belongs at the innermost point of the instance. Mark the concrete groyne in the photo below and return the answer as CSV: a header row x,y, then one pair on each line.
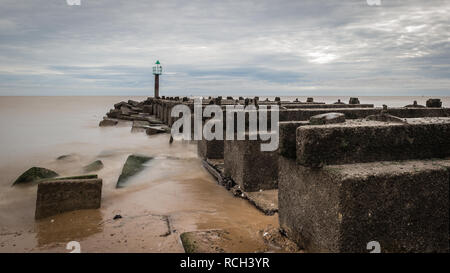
x,y
343,174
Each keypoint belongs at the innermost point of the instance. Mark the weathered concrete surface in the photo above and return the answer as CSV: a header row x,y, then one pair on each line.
x,y
364,141
326,106
328,118
94,166
249,167
210,149
34,174
265,201
139,126
434,103
54,197
402,205
288,131
232,241
153,130
133,165
108,122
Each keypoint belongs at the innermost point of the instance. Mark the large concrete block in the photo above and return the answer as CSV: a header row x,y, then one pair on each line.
x,y
288,130
210,149
368,141
54,197
249,167
402,205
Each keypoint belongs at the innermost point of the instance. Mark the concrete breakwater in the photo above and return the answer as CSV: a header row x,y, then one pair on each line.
x,y
337,181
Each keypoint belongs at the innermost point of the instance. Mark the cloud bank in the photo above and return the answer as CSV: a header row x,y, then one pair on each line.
x,y
292,48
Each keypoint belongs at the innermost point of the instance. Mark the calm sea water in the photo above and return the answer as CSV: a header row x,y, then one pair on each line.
x,y
36,130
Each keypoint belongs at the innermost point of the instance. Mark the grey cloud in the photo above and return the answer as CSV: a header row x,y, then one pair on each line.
x,y
252,47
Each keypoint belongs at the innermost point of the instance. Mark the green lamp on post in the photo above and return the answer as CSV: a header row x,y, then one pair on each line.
x,y
157,70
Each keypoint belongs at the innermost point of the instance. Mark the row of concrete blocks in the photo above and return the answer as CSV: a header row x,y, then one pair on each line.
x,y
357,195
162,108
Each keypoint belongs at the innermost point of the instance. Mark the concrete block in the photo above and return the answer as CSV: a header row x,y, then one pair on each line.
x,y
54,197
249,167
369,141
402,205
288,130
210,149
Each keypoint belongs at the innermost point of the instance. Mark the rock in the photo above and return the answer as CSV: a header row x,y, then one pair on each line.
x,y
309,100
354,101
327,118
117,216
108,122
230,98
218,101
136,109
339,102
414,105
154,130
34,174
65,157
437,103
54,197
133,165
113,113
94,166
120,104
147,109
185,99
140,126
277,99
133,103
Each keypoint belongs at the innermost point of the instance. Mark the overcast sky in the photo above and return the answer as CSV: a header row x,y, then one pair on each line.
x,y
330,47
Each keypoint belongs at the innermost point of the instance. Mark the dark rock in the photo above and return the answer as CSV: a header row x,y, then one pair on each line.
x,y
108,122
94,166
120,104
185,99
133,103
277,99
133,165
353,101
309,100
140,126
328,118
414,105
117,216
147,109
230,98
437,103
154,130
241,98
64,157
34,174
113,113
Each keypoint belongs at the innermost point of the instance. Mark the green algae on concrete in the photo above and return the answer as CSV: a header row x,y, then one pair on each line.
x,y
34,174
133,165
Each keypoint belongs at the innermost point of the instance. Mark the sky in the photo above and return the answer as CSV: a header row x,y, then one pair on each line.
x,y
229,48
